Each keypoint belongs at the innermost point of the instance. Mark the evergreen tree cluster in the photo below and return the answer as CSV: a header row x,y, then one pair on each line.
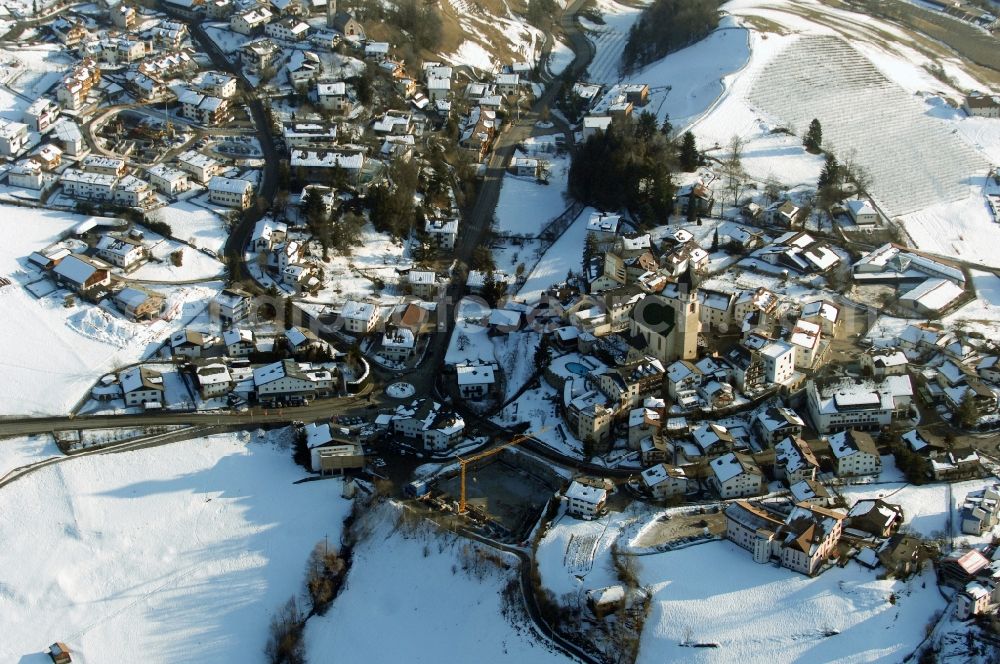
x,y
391,202
626,167
666,26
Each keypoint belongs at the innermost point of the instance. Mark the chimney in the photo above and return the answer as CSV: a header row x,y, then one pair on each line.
x,y
331,11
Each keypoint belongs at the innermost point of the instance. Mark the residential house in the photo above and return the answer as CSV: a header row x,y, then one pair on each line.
x,y
332,95
92,186
778,359
13,137
398,344
825,314
201,166
141,386
189,343
443,232
476,380
422,283
139,304
736,475
437,428
289,379
250,22
232,306
27,174
214,380
81,273
359,318
167,180
238,342
972,601
663,481
287,29
774,424
794,460
41,114
854,453
584,501
230,192
876,517
131,191
589,418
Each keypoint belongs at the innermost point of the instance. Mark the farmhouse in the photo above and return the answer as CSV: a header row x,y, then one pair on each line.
x,y
80,273
141,386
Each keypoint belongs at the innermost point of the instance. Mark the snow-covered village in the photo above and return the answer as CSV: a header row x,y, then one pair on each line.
x,y
601,331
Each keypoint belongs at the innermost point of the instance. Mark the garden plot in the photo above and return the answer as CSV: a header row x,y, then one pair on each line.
x,y
373,265
195,265
767,614
183,552
195,225
862,111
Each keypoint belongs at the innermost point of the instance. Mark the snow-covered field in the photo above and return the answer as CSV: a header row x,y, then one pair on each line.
x,y
715,593
20,451
983,313
566,254
180,552
410,598
526,206
194,264
351,277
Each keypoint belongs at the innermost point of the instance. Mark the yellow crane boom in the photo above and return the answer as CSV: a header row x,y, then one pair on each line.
x,y
516,440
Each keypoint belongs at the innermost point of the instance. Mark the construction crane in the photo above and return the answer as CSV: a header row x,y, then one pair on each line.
x,y
516,440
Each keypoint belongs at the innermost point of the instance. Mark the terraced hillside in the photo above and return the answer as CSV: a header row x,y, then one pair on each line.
x,y
915,161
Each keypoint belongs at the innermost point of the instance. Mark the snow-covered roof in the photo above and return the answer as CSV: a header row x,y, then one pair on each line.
x,y
731,465
934,294
74,268
229,185
586,493
476,374
354,310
